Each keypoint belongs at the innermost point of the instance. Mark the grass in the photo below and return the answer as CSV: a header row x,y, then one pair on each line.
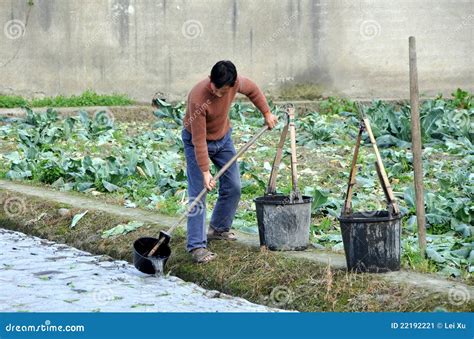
x,y
87,98
300,92
415,261
11,101
263,277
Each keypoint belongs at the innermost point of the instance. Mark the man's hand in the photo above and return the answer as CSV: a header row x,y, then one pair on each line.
x,y
271,120
208,182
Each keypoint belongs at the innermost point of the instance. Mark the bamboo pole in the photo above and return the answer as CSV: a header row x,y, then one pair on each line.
x,y
352,175
381,169
295,194
294,162
416,146
271,189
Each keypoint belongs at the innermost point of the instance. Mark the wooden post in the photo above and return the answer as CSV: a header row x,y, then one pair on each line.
x,y
416,146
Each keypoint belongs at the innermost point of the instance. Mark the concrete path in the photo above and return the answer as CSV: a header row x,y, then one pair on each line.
x,y
38,275
84,202
430,282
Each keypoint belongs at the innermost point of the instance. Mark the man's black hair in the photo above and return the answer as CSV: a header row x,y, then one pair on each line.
x,y
223,73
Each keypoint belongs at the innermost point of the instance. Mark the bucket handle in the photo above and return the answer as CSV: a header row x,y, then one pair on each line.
x,y
290,125
392,204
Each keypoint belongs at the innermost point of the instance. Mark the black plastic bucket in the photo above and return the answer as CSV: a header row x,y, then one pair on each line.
x,y
371,241
283,225
141,247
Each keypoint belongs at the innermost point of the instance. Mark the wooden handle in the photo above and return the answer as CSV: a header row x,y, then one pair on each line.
x,y
387,189
271,188
203,192
155,248
383,174
352,175
294,172
384,188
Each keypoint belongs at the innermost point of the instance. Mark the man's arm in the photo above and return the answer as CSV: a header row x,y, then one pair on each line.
x,y
255,94
250,89
197,122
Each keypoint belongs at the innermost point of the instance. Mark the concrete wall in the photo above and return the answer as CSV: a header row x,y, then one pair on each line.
x,y
352,47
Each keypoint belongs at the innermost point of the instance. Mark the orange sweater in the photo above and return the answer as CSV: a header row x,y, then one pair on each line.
x,y
207,115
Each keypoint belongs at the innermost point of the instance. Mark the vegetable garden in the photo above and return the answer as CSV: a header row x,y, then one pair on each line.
x,y
141,164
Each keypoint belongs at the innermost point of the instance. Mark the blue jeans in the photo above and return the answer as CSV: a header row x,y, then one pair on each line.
x,y
220,152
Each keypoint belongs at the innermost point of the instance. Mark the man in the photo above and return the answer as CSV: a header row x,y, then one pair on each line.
x,y
207,135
